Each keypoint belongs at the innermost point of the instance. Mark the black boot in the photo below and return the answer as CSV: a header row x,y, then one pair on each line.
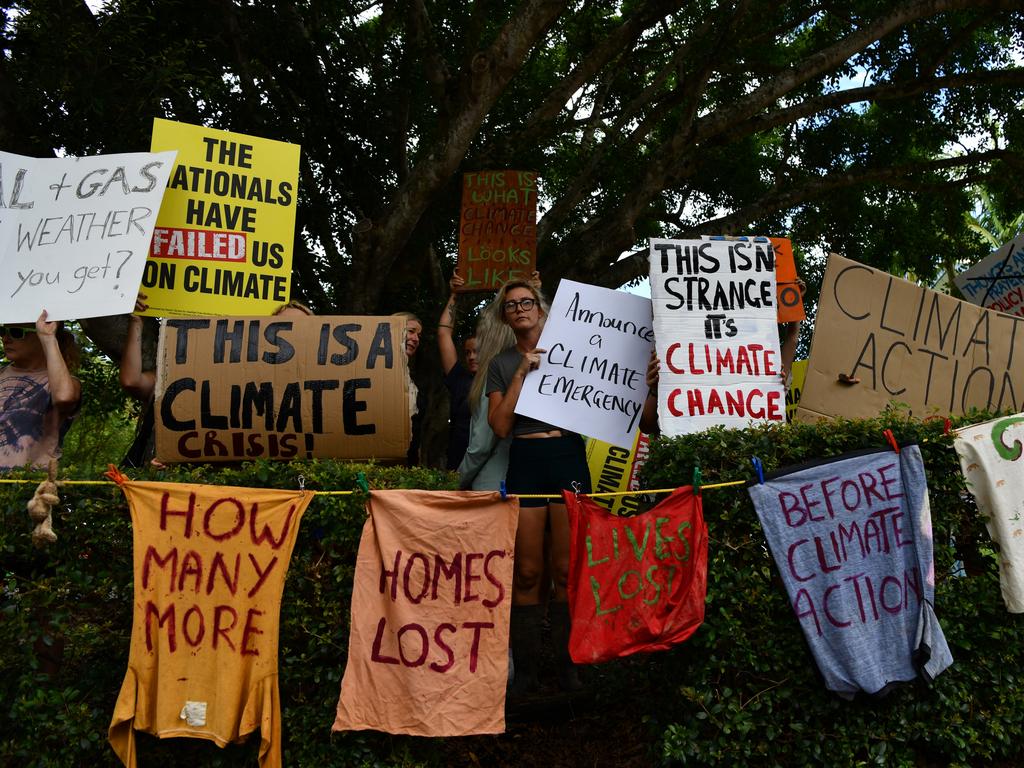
x,y
561,624
524,637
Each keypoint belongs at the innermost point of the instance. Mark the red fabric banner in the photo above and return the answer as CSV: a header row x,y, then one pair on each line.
x,y
635,583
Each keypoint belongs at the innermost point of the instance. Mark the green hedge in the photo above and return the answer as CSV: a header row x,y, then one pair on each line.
x,y
742,691
745,688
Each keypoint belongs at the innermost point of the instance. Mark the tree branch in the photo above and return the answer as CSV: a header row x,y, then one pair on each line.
x,y
483,82
776,200
674,159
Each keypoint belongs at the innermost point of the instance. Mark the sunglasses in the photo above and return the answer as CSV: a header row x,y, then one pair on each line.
x,y
524,304
16,332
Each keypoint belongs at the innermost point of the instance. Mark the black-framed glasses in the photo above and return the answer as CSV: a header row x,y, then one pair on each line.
x,y
16,332
524,304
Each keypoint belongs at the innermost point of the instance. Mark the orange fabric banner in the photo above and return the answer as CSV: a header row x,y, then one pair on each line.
x,y
428,648
210,564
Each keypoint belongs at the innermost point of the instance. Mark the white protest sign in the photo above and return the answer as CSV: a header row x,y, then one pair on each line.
x,y
75,232
592,377
997,281
715,325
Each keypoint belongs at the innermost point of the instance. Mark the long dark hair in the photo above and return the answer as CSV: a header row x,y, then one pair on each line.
x,y
68,345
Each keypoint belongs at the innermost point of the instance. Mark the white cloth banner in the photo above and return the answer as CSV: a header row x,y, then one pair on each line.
x,y
990,458
75,232
716,334
592,377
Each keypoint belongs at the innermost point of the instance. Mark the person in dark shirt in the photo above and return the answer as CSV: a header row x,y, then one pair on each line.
x,y
458,377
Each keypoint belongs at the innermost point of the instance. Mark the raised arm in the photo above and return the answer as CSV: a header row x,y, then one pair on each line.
x,y
788,351
65,389
135,381
446,328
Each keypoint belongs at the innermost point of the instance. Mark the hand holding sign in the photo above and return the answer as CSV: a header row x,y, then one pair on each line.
x,y
531,362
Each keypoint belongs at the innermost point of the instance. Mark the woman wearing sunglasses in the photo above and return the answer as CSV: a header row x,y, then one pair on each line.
x,y
543,459
38,393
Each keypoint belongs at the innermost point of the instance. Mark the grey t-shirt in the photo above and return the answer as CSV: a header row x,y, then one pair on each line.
x,y
852,538
499,376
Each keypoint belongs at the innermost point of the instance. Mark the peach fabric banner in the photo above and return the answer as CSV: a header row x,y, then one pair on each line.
x,y
428,648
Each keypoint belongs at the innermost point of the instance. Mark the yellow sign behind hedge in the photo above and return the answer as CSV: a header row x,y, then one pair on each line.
x,y
614,469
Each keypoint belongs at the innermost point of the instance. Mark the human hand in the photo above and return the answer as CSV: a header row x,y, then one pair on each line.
x,y
140,302
534,280
530,361
456,282
653,372
45,328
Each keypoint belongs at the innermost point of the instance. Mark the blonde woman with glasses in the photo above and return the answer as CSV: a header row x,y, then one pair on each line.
x,y
543,460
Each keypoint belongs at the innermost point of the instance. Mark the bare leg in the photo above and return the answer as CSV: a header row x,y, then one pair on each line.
x,y
529,561
559,550
527,611
558,610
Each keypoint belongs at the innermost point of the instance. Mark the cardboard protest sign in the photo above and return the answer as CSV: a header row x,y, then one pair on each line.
x,y
497,228
592,377
796,388
614,469
635,583
242,388
907,344
852,539
997,281
716,334
990,459
75,231
790,298
224,237
428,647
210,565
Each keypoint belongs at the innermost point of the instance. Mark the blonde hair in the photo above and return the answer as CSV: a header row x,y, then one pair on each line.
x,y
502,296
408,316
294,305
494,335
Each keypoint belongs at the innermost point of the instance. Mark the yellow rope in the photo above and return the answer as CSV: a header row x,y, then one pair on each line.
x,y
349,493
626,493
63,482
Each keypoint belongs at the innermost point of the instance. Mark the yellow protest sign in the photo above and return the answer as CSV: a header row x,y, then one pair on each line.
x,y
223,238
614,469
796,388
